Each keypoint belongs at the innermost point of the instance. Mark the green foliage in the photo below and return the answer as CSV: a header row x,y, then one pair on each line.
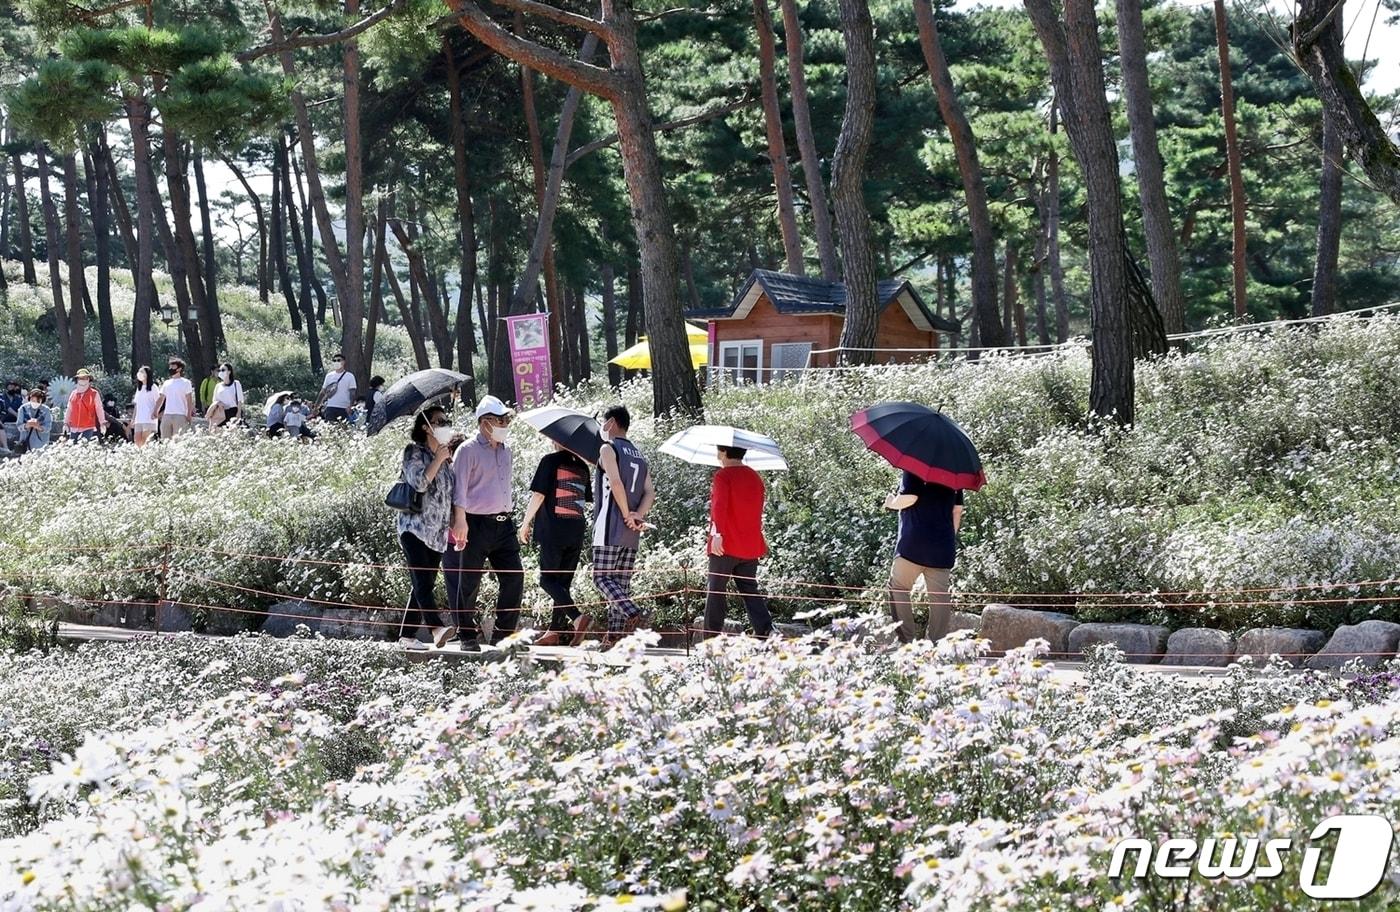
x,y
58,103
220,106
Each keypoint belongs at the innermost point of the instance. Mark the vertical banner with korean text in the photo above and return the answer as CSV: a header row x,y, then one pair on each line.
x,y
529,358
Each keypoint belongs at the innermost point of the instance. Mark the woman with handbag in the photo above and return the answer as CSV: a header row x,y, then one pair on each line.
x,y
423,497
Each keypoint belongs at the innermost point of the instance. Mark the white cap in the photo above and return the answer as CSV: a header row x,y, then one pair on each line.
x,y
490,405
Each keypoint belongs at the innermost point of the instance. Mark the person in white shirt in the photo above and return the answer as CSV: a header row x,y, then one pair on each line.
x,y
228,398
294,420
337,392
176,403
144,422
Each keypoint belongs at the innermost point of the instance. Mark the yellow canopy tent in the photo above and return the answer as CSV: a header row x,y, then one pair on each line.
x,y
638,357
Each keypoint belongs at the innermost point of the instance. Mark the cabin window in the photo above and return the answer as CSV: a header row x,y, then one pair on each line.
x,y
742,362
790,358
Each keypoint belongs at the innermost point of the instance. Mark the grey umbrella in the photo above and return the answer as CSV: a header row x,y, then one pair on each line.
x,y
410,394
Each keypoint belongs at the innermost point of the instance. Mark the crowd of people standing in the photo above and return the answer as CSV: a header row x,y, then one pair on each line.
x,y
465,526
162,408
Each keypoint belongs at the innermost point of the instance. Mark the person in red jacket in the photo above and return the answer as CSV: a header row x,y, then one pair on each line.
x,y
84,415
736,543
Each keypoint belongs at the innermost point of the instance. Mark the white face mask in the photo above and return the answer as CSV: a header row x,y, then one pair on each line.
x,y
83,384
141,377
223,375
444,435
500,434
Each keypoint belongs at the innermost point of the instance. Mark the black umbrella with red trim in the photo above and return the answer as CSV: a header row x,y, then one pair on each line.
x,y
923,441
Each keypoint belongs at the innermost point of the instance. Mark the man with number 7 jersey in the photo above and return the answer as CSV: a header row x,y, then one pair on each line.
x,y
624,495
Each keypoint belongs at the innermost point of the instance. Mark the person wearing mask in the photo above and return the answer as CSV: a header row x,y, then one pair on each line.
x,y
373,398
118,430
176,404
10,402
295,420
35,422
736,543
483,527
144,423
205,399
337,392
556,514
228,399
84,417
424,535
929,517
624,496
276,416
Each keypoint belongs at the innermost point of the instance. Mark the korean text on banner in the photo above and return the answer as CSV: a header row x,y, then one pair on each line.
x,y
529,358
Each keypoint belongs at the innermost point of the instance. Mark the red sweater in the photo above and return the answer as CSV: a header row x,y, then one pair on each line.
x,y
736,512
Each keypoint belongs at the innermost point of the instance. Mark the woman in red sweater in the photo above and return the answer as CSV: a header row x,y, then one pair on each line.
x,y
736,542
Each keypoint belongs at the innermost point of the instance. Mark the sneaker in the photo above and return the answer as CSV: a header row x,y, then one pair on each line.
x,y
469,646
443,635
412,644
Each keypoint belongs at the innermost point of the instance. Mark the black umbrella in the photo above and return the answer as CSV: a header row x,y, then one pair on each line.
x,y
920,440
408,395
573,430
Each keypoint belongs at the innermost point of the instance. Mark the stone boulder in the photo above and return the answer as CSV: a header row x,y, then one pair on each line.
x,y
1373,642
283,618
171,618
1011,628
791,631
362,623
1291,643
1142,644
964,620
1200,646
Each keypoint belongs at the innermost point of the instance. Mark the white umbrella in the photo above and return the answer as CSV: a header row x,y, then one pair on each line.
x,y
697,445
272,400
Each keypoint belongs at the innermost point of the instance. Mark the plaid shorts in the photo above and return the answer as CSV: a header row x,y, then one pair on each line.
x,y
612,574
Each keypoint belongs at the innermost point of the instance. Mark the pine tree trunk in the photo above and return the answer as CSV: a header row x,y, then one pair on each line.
x,y
52,245
605,270
984,258
264,267
1232,157
807,144
1012,291
584,367
634,307
335,262
96,174
139,119
304,207
277,239
1162,255
352,305
409,320
182,212
1329,219
211,263
23,232
378,230
777,146
674,386
77,279
481,320
117,200
1038,268
421,285
1052,208
306,267
848,186
466,224
1317,46
1076,67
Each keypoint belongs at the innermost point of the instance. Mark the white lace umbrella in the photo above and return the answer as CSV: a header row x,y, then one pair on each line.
x,y
697,446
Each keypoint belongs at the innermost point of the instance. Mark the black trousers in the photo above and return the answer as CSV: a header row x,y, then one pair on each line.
x,y
422,610
742,573
489,541
558,562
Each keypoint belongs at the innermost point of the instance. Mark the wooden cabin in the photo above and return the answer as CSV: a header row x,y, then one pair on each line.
x,y
778,324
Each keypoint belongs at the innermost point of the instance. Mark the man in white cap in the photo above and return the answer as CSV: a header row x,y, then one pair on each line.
x,y
483,526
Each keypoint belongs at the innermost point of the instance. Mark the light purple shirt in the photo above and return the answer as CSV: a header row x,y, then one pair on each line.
x,y
483,477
